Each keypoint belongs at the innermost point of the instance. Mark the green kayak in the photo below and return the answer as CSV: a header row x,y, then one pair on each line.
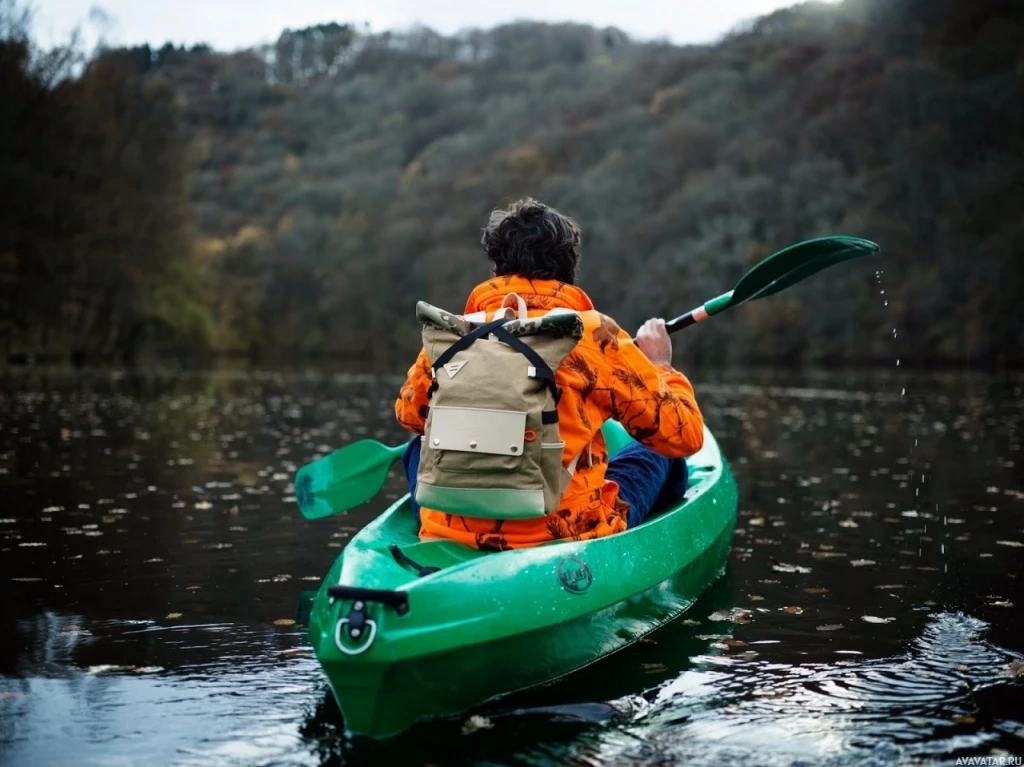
x,y
409,629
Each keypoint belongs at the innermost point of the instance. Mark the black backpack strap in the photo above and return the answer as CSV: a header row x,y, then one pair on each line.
x,y
541,368
466,341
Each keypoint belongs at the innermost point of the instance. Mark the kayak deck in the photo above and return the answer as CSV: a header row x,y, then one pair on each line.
x,y
490,623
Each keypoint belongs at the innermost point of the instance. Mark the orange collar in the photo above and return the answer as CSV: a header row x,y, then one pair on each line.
x,y
539,295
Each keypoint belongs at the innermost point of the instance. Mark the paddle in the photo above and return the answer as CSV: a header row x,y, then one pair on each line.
x,y
778,271
354,474
345,478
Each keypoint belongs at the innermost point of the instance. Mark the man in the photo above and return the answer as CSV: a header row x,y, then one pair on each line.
x,y
534,252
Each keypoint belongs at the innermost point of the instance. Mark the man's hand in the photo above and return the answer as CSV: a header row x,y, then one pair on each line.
x,y
653,341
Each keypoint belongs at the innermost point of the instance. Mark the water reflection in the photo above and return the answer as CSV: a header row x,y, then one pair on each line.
x,y
151,559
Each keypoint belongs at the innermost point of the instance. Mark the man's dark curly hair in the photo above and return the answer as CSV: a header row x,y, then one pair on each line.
x,y
530,239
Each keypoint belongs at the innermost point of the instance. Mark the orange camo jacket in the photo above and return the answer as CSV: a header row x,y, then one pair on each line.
x,y
605,376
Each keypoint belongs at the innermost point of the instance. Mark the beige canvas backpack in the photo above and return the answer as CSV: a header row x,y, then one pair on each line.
x,y
491,446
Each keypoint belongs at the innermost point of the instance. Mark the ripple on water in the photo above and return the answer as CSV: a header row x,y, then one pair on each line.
x,y
913,705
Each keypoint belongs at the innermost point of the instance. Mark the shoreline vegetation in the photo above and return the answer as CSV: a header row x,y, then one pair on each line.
x,y
289,204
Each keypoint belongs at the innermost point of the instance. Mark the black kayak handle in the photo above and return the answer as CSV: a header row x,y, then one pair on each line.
x,y
399,600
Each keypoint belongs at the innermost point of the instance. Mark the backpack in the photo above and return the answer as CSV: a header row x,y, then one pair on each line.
x,y
491,447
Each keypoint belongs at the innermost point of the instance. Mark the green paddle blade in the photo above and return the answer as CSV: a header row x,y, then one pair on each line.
x,y
345,478
795,263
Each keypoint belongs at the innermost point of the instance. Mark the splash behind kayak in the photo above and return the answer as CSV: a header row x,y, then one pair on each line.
x,y
409,629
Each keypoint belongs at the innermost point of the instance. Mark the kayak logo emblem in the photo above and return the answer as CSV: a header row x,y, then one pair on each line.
x,y
454,367
574,575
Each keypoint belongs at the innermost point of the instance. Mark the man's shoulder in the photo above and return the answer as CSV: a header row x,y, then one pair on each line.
x,y
601,334
593,318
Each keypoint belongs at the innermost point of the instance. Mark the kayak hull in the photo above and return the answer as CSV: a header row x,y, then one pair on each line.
x,y
488,624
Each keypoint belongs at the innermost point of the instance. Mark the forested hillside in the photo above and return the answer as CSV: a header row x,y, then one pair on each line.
x,y
296,200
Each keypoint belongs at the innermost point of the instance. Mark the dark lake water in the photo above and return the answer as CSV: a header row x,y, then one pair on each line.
x,y
152,560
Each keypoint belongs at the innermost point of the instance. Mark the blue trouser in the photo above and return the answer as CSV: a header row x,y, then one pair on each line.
x,y
648,482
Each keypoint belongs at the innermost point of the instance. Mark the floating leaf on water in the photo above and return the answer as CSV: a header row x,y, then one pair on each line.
x,y
1015,670
192,588
782,567
719,646
653,668
149,561
284,622
173,616
916,722
830,627
1002,603
735,643
476,722
27,580
890,586
756,521
816,590
827,554
755,597
719,615
792,610
1014,544
875,619
740,616
690,622
105,668
862,562
203,505
748,654
848,523
963,719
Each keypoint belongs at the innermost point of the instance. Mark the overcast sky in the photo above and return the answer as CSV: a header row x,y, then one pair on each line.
x,y
230,24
